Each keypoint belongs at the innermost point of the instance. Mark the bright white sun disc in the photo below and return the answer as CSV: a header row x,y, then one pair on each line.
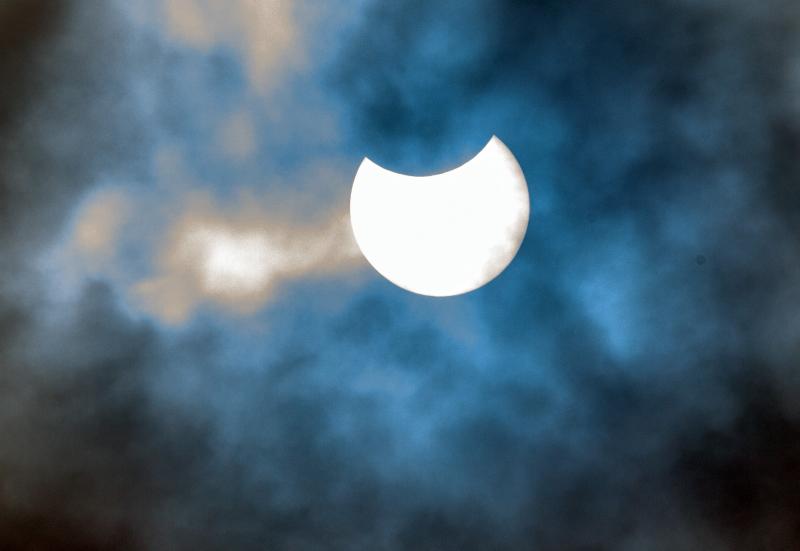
x,y
446,234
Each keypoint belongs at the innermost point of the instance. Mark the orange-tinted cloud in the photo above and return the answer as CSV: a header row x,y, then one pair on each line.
x,y
199,251
265,32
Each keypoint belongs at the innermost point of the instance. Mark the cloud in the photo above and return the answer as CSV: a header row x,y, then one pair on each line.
x,y
265,32
97,230
640,158
235,257
607,391
237,136
194,250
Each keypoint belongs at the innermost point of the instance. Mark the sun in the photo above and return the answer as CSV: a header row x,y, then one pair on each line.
x,y
446,234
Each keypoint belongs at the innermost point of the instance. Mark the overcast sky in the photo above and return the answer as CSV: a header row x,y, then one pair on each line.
x,y
629,383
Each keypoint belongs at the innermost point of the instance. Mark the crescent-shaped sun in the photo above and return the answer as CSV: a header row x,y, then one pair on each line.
x,y
445,234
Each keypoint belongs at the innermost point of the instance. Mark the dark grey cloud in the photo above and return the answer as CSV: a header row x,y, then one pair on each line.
x,y
68,117
620,394
78,437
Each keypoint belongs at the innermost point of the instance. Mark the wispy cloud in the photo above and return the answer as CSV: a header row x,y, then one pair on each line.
x,y
236,257
268,34
192,249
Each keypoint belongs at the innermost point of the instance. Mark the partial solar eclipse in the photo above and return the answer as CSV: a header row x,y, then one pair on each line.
x,y
445,234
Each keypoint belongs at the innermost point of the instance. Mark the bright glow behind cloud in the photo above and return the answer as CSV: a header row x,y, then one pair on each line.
x,y
235,258
198,251
231,263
